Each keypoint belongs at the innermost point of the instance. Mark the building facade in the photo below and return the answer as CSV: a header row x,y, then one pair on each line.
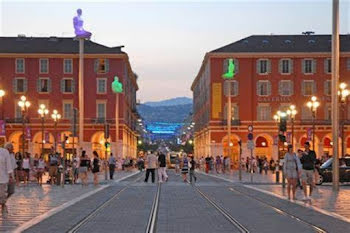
x,y
272,73
45,71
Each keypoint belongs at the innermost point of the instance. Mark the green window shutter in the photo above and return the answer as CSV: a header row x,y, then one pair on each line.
x,y
38,85
96,65
348,65
314,88
280,66
236,88
236,66
49,85
325,88
325,66
225,66
269,87
225,88
303,87
14,85
257,88
313,66
291,65
73,86
280,87
107,65
291,86
25,85
258,66
268,66
62,85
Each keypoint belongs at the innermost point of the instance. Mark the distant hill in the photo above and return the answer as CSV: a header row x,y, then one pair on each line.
x,y
170,102
170,113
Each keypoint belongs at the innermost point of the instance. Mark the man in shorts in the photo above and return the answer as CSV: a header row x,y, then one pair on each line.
x,y
6,176
308,160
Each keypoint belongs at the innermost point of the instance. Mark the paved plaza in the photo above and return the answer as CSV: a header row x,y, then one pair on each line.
x,y
209,205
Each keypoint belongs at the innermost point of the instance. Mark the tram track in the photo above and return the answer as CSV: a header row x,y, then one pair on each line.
x,y
280,211
151,225
223,211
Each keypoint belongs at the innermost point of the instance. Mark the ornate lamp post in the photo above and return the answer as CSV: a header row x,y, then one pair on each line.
x,y
24,104
43,111
56,117
2,93
313,105
291,112
343,94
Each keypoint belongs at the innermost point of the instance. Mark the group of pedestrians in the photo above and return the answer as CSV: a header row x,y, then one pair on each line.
x,y
298,166
220,164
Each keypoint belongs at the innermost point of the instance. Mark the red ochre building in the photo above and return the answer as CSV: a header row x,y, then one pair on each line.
x,y
272,72
45,70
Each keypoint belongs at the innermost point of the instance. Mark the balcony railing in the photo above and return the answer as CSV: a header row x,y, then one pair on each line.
x,y
233,122
16,120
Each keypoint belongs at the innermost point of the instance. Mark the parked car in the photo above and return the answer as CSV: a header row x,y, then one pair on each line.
x,y
326,171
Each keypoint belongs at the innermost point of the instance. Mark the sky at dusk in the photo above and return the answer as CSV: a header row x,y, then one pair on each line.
x,y
167,40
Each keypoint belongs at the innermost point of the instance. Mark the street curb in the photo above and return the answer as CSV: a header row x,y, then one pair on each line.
x,y
300,203
59,208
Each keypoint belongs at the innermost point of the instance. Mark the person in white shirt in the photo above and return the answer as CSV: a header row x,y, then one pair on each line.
x,y
11,185
26,168
6,176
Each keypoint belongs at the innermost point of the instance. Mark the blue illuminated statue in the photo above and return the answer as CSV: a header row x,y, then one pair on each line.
x,y
78,26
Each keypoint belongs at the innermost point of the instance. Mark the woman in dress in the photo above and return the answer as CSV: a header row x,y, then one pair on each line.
x,y
291,169
184,167
96,167
84,164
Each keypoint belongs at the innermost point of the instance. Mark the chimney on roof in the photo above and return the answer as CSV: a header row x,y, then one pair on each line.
x,y
53,38
308,33
21,36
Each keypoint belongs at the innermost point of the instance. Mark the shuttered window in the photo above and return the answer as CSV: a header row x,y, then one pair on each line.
x,y
225,65
309,66
67,110
67,85
328,66
306,113
20,66
234,112
101,86
348,64
43,66
327,87
43,85
68,66
308,87
285,88
101,110
286,66
20,85
101,66
264,113
263,66
234,88
263,88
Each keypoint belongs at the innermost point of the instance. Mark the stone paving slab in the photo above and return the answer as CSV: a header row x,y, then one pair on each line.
x,y
33,200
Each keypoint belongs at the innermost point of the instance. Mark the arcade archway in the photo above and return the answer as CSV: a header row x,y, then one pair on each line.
x,y
233,142
263,146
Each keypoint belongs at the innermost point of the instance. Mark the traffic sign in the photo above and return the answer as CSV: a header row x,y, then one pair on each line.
x,y
250,136
250,144
250,128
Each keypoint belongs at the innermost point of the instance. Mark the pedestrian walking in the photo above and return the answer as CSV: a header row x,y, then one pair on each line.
x,y
40,169
76,162
111,163
95,167
26,168
207,164
84,166
291,169
6,176
11,184
162,176
53,169
308,160
151,165
192,166
184,167
18,172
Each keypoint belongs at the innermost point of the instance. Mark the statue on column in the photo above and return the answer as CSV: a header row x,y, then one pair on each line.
x,y
117,87
78,26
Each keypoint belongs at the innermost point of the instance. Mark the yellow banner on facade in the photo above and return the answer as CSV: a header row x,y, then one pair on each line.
x,y
216,104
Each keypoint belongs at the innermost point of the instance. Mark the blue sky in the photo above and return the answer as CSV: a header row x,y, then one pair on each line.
x,y
167,40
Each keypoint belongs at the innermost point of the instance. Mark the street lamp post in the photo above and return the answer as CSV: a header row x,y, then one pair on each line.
x,y
56,117
2,93
24,104
43,111
343,94
291,112
313,105
279,117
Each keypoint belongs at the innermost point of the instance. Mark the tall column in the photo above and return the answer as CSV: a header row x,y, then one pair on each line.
x,y
335,85
117,125
81,91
